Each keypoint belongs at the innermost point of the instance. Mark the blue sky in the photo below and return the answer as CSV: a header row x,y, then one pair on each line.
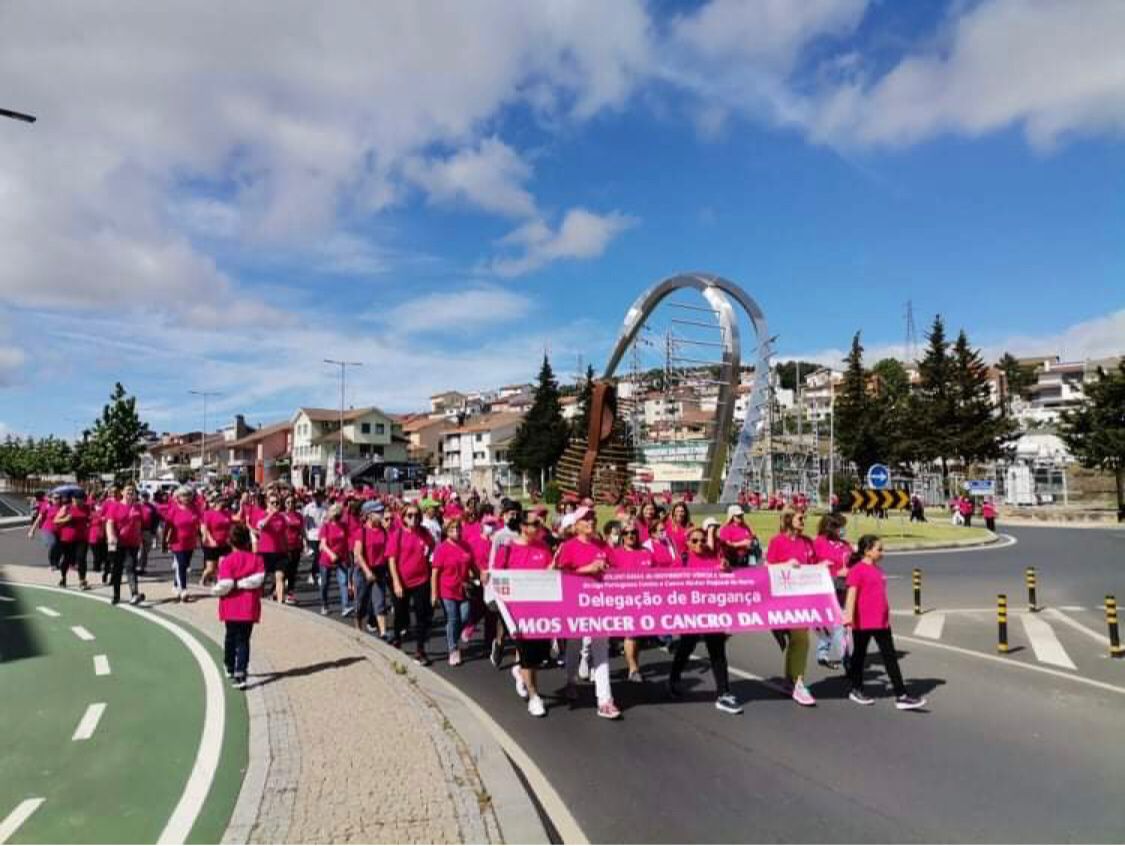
x,y
442,191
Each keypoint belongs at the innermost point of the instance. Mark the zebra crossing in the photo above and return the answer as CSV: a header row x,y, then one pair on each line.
x,y
1051,636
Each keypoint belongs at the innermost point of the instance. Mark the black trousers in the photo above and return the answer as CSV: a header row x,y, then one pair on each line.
x,y
716,652
236,648
886,643
417,598
100,553
73,554
990,523
132,553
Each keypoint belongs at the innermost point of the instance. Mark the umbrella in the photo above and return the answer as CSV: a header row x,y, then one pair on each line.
x,y
68,490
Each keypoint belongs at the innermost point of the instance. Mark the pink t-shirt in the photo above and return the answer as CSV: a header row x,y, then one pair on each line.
x,y
95,531
128,522
783,549
294,529
410,548
872,610
631,559
271,531
734,533
575,554
664,552
374,540
75,528
218,523
679,535
453,563
835,552
241,605
521,556
184,523
705,560
334,535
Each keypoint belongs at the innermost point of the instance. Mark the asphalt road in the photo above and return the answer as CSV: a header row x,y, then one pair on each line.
x,y
1018,747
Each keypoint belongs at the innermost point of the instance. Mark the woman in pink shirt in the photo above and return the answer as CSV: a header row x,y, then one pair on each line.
x,y
239,588
735,538
215,528
831,549
124,528
868,613
632,556
527,552
71,526
95,535
791,546
333,556
182,523
453,567
270,530
294,544
704,555
989,513
586,554
409,562
370,577
679,527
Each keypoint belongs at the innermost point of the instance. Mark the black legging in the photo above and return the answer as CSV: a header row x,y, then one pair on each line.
x,y
73,554
419,597
119,556
716,651
886,643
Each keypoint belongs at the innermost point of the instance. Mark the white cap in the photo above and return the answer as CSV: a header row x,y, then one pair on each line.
x,y
709,522
734,511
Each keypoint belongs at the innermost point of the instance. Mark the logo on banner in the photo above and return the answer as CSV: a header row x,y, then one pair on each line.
x,y
786,580
527,585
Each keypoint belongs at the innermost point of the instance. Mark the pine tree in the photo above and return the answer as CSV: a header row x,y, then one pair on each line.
x,y
1095,432
542,436
117,439
1017,379
858,435
980,433
933,412
581,425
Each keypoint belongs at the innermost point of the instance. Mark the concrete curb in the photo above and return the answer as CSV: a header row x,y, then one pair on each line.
x,y
1031,523
15,521
516,812
934,547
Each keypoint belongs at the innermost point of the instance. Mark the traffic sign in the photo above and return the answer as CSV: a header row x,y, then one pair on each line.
x,y
981,487
869,500
878,477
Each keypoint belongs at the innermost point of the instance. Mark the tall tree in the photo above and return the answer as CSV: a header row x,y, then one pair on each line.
x,y
117,438
1095,432
542,436
980,432
787,373
858,433
933,411
1017,379
892,393
581,423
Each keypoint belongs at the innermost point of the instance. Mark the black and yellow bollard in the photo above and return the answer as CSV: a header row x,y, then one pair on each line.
x,y
1032,589
1002,620
1115,649
916,578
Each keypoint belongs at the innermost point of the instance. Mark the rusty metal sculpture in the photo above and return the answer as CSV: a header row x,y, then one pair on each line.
x,y
603,414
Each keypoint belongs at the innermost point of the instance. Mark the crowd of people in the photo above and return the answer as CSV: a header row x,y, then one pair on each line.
x,y
394,561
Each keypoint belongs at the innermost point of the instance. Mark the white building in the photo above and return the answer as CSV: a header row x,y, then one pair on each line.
x,y
476,454
369,434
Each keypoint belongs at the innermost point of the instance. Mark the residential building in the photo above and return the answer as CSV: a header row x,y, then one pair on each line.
x,y
263,455
180,455
423,433
368,435
475,454
571,407
1059,387
447,402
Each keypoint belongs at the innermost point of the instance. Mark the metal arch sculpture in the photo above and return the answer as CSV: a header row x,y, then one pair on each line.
x,y
717,291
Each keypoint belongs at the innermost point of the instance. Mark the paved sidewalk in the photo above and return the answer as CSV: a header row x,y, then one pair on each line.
x,y
345,745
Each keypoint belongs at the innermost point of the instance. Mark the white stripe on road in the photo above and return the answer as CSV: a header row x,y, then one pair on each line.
x,y
82,633
18,817
101,665
1007,540
930,625
1072,608
50,612
7,598
1100,637
89,721
1044,643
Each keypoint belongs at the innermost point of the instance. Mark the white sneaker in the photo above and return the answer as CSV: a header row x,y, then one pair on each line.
x,y
347,611
536,708
455,658
521,688
584,668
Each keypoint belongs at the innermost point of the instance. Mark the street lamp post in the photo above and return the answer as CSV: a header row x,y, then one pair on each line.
x,y
8,113
343,365
203,438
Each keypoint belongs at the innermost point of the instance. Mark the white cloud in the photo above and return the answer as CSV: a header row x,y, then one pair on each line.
x,y
1051,67
582,234
12,361
490,176
456,311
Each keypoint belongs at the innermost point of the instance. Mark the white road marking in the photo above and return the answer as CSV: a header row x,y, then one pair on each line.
x,y
1044,643
947,611
101,665
18,817
89,721
1072,608
1007,541
930,625
1101,637
82,633
198,785
7,598
1008,662
50,612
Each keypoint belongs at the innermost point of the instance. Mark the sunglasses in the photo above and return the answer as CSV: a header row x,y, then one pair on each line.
x,y
413,515
631,532
695,541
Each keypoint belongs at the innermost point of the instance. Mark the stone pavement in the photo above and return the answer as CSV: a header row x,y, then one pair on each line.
x,y
346,746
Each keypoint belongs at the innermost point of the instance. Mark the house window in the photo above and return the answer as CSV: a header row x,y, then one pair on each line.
x,y
380,429
479,437
365,428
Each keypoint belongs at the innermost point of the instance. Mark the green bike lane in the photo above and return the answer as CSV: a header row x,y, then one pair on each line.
x,y
126,781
